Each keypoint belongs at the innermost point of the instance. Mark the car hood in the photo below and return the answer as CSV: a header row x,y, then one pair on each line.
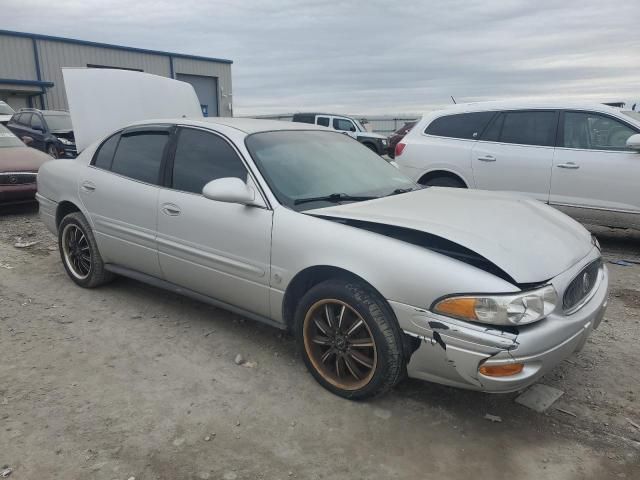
x,y
124,97
528,240
21,159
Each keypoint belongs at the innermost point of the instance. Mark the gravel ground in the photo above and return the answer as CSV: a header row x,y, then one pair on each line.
x,y
131,381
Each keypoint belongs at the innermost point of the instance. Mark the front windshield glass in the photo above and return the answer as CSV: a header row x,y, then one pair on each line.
x,y
302,164
8,139
6,109
359,125
58,122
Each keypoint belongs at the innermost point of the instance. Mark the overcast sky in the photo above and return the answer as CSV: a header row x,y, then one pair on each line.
x,y
372,56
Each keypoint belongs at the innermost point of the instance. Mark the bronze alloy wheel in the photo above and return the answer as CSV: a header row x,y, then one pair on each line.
x,y
339,344
76,251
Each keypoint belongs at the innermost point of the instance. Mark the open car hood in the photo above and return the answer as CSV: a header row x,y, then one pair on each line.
x,y
529,241
103,100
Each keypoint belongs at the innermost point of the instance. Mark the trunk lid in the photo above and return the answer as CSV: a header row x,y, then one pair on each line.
x,y
529,240
103,100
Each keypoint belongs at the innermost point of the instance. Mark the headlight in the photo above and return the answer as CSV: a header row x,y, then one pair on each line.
x,y
64,141
508,309
384,142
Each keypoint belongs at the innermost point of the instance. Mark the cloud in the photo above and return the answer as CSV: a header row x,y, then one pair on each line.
x,y
372,57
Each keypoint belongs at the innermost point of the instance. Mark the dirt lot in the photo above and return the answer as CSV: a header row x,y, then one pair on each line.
x,y
130,381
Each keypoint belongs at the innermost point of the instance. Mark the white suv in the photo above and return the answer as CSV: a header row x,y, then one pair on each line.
x,y
583,159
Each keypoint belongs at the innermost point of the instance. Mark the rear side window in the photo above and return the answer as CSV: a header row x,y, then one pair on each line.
x,y
139,156
16,118
323,121
529,128
201,157
463,125
25,119
36,122
590,131
104,155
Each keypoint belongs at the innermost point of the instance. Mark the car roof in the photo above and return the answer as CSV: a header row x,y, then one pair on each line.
x,y
246,125
324,114
44,112
524,104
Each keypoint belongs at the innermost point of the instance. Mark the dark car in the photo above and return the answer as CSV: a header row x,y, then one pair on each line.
x,y
18,169
398,135
47,130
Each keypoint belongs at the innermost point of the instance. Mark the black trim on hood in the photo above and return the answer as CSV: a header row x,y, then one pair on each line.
x,y
429,241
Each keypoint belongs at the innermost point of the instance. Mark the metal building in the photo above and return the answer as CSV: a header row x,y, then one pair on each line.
x,y
31,70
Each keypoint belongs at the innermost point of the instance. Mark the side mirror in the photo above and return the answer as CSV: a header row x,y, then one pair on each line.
x,y
633,142
229,190
27,140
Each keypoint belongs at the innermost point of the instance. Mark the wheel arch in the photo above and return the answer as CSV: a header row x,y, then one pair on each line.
x,y
64,208
309,277
442,172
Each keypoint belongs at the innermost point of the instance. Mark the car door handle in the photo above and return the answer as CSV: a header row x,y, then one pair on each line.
x,y
88,186
171,209
487,158
569,165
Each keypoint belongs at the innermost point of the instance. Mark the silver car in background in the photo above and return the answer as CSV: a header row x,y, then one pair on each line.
x,y
581,158
307,230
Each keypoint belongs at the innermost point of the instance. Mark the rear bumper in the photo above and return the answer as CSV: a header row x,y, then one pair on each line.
x,y
17,193
48,212
452,351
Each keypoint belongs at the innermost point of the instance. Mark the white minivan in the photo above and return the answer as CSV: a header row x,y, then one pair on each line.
x,y
581,158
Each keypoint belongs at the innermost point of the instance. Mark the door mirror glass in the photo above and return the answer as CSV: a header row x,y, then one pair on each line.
x,y
633,142
27,140
229,190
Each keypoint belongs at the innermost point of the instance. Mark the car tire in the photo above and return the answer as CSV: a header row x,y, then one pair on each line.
x,y
79,252
52,151
444,181
349,339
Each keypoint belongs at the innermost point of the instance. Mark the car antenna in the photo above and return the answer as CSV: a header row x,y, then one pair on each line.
x,y
453,99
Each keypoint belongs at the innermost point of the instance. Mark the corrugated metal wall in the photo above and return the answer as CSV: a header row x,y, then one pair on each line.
x,y
16,58
220,70
17,62
56,55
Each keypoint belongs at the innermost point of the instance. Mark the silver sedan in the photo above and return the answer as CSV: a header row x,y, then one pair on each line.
x,y
307,230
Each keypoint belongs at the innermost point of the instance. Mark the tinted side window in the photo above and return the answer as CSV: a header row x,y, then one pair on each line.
x,y
104,155
15,118
36,122
324,121
343,125
25,119
462,125
492,133
594,132
201,157
139,156
529,128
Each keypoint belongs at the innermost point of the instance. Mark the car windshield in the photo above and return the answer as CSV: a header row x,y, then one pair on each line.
x,y
359,125
304,164
58,121
8,139
6,109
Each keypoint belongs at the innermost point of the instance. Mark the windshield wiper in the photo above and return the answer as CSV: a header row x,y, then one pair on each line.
x,y
398,191
335,198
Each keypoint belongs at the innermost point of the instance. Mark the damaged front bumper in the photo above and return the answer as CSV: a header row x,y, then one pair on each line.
x,y
452,351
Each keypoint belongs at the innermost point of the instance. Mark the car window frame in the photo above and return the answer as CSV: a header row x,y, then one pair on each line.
x,y
169,129
353,124
167,179
560,135
480,134
554,142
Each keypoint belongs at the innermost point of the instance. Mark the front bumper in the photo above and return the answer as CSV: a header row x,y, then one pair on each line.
x,y
452,351
17,193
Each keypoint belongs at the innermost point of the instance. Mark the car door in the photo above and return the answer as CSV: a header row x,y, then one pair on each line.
x,y
37,129
218,249
345,126
595,177
120,190
515,153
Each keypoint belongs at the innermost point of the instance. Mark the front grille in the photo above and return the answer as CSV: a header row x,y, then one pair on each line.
x,y
17,178
581,286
